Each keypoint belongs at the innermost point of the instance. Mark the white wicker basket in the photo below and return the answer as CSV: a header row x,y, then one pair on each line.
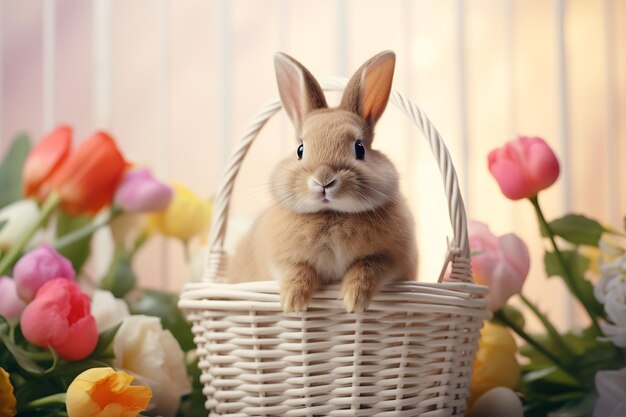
x,y
409,354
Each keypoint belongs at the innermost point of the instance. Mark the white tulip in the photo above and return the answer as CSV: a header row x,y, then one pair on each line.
x,y
153,356
611,387
19,216
107,310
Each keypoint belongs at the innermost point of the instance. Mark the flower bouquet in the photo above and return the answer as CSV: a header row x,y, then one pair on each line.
x,y
71,343
583,371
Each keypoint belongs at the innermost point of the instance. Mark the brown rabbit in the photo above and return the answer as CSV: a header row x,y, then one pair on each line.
x,y
338,214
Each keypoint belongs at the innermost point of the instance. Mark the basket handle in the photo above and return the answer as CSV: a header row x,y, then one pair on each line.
x,y
458,250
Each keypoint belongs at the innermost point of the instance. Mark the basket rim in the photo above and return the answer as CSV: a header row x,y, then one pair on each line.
x,y
450,297
273,287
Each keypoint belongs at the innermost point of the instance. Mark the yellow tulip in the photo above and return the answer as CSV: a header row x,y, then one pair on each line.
x,y
495,364
186,216
7,399
103,392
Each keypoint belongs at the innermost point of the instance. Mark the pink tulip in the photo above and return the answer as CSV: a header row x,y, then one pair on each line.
x,y
11,305
523,167
139,191
60,317
501,263
38,267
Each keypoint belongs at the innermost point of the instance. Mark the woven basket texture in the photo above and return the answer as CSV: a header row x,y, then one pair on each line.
x,y
410,354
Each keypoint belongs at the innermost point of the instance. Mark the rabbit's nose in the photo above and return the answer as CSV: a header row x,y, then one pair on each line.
x,y
316,184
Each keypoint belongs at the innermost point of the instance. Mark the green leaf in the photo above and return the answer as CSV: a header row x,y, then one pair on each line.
x,y
104,341
603,356
25,359
11,170
70,370
77,252
120,278
164,305
577,265
577,408
578,229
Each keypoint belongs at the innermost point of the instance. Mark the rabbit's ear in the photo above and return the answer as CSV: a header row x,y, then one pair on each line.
x,y
368,90
299,90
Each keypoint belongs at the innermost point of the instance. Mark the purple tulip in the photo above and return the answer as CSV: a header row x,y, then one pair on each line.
x,y
139,191
11,305
38,267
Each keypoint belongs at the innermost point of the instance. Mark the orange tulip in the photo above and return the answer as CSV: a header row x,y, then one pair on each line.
x,y
87,180
45,158
103,392
8,403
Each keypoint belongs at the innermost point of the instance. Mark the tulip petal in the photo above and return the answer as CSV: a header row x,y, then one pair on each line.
x,y
11,305
541,164
103,392
139,191
515,253
87,180
523,167
19,217
59,316
512,179
45,158
38,267
153,356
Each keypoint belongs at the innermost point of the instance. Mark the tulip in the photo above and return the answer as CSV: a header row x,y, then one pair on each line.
x,y
501,263
88,178
498,402
11,305
495,364
39,266
107,310
523,167
45,158
139,191
19,216
8,404
60,317
186,216
611,387
103,392
143,348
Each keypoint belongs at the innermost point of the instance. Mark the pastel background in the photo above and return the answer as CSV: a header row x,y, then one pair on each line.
x,y
177,82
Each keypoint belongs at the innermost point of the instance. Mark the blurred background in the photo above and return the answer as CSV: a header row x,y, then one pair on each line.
x,y
177,82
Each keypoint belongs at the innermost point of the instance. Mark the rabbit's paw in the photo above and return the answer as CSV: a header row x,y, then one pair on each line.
x,y
296,292
356,294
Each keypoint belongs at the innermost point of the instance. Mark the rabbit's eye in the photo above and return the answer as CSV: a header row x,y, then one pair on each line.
x,y
300,150
359,149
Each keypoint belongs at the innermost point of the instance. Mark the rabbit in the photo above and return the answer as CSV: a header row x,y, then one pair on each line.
x,y
338,215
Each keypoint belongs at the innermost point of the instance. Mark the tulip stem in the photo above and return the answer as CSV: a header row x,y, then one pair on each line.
x,y
14,252
531,341
567,273
554,334
87,230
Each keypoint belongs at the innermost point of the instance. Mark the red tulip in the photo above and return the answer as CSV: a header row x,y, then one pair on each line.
x,y
45,158
60,317
87,180
523,167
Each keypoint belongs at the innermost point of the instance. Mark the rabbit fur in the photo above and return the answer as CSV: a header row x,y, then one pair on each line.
x,y
338,215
